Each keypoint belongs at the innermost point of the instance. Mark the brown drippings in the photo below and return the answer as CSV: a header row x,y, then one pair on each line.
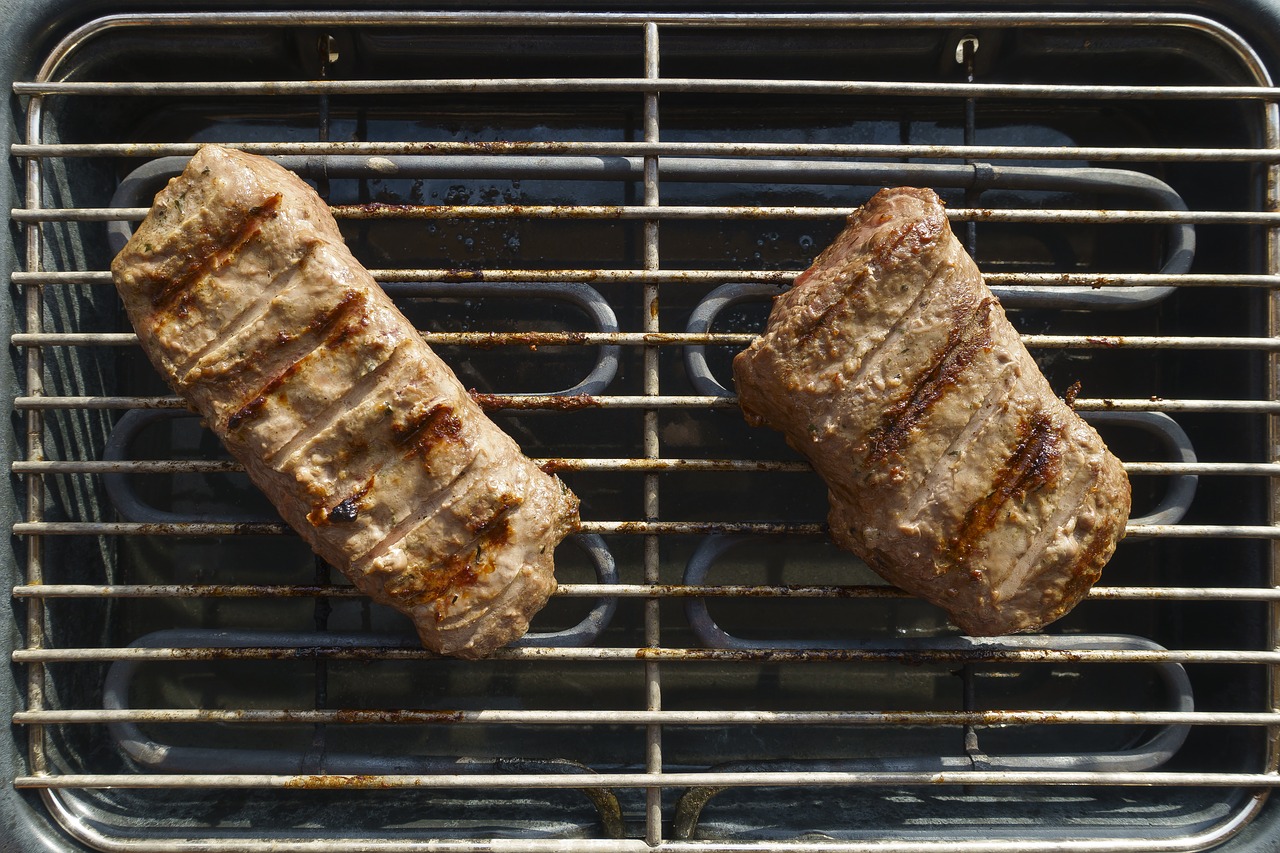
x,y
1072,392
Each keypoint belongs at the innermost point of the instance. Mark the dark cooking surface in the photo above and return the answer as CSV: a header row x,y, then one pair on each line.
x,y
846,651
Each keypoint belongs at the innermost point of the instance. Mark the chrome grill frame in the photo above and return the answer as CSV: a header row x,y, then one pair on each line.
x,y
38,653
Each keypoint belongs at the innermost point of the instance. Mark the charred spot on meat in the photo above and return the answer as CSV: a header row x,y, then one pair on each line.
x,y
952,468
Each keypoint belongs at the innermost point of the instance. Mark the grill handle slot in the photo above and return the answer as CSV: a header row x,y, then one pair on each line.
x,y
1152,752
166,758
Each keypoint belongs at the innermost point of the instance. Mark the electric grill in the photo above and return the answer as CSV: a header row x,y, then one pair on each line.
x,y
586,211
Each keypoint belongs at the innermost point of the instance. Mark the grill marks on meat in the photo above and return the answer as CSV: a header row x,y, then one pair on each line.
x,y
333,328
1035,463
191,319
969,333
440,423
247,301
453,493
218,254
370,385
953,469
943,471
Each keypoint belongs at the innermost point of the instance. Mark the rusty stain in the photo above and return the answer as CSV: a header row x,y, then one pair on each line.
x,y
246,591
389,717
1109,342
280,653
568,403
904,657
736,591
462,274
1077,279
987,656
241,528
380,208
211,592
633,527
204,654
489,340
706,527
386,210
361,780
491,147
555,464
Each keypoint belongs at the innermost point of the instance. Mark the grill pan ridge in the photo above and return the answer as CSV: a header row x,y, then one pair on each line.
x,y
586,213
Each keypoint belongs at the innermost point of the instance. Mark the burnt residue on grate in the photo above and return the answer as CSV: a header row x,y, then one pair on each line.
x,y
524,185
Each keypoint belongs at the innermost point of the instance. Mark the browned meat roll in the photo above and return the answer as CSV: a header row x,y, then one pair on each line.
x,y
250,305
952,468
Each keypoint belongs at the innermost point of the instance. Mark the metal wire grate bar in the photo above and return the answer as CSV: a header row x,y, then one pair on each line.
x,y
666,149
451,275
635,187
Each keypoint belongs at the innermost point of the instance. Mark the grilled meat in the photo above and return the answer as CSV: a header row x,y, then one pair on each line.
x,y
250,305
952,468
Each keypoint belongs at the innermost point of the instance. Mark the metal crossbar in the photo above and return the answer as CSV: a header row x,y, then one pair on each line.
x,y
652,796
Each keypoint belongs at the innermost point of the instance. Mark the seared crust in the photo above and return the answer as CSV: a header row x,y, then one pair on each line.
x,y
953,470
247,301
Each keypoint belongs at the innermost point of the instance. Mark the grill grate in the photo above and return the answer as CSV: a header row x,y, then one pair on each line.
x,y
588,233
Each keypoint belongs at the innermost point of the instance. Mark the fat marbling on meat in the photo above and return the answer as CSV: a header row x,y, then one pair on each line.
x,y
952,468
248,302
